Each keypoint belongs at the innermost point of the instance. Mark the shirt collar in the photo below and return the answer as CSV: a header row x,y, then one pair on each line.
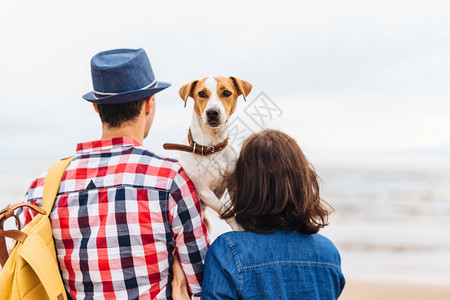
x,y
106,144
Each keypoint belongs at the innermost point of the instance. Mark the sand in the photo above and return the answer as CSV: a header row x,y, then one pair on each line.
x,y
355,290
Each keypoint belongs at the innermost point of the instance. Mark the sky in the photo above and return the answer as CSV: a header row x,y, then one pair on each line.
x,y
357,83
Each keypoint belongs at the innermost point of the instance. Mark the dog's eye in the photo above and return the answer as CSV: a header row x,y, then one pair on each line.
x,y
226,93
202,94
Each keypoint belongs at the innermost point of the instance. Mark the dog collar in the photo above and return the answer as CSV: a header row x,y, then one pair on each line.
x,y
195,147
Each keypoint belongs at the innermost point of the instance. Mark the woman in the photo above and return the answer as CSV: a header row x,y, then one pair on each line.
x,y
275,198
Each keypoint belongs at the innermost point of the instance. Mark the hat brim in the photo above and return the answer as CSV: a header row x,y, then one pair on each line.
x,y
125,97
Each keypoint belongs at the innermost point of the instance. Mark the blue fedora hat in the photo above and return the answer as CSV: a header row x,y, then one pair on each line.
x,y
122,75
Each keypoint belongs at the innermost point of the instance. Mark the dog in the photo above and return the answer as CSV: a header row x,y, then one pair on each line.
x,y
206,155
207,158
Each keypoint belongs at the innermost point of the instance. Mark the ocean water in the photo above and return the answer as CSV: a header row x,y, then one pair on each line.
x,y
389,224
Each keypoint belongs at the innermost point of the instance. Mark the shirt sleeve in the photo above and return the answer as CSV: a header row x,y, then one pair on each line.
x,y
189,230
222,279
33,196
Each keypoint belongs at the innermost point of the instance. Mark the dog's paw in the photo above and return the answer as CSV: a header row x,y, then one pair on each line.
x,y
234,225
210,199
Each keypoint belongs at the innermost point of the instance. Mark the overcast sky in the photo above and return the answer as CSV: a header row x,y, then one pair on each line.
x,y
358,82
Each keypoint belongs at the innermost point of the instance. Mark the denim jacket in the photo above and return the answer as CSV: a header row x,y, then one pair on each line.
x,y
279,265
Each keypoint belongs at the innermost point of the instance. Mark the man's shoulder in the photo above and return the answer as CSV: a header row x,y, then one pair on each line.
x,y
151,158
158,165
141,150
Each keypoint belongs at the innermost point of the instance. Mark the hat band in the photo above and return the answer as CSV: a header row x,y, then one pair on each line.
x,y
103,94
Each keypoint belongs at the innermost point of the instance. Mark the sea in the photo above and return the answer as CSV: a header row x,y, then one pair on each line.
x,y
389,225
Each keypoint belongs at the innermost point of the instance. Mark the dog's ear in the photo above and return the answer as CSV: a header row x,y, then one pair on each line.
x,y
187,90
242,86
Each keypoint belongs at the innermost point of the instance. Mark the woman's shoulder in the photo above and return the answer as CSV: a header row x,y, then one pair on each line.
x,y
289,244
229,239
247,237
232,238
235,241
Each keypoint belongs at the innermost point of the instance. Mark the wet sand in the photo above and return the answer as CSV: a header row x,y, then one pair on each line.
x,y
355,290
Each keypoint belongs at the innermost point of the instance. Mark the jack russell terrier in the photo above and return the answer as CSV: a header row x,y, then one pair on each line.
x,y
207,158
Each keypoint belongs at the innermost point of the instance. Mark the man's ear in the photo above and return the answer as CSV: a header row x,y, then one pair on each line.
x,y
242,86
186,91
95,107
148,105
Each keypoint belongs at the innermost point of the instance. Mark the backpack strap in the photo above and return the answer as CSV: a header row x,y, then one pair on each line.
x,y
52,182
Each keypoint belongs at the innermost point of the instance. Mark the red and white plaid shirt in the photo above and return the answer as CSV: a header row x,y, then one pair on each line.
x,y
120,216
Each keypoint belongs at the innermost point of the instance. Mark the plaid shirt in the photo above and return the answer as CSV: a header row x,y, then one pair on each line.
x,y
119,217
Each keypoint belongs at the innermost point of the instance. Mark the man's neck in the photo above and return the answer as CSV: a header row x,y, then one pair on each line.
x,y
128,131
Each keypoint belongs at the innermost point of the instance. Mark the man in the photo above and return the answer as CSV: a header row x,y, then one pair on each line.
x,y
123,212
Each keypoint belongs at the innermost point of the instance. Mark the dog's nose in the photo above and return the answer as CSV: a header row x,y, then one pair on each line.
x,y
212,114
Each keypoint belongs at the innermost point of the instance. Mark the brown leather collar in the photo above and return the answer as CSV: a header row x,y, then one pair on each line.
x,y
195,147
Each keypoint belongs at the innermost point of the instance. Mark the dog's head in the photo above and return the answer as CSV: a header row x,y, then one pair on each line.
x,y
215,98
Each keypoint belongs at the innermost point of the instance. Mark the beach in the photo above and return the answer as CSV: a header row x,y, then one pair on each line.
x,y
358,290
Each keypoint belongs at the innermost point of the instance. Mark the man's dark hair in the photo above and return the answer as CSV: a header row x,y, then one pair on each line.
x,y
116,114
274,187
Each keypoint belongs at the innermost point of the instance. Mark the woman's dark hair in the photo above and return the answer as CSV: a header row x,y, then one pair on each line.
x,y
274,187
116,114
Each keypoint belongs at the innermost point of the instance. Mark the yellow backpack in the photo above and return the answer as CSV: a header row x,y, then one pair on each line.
x,y
31,270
